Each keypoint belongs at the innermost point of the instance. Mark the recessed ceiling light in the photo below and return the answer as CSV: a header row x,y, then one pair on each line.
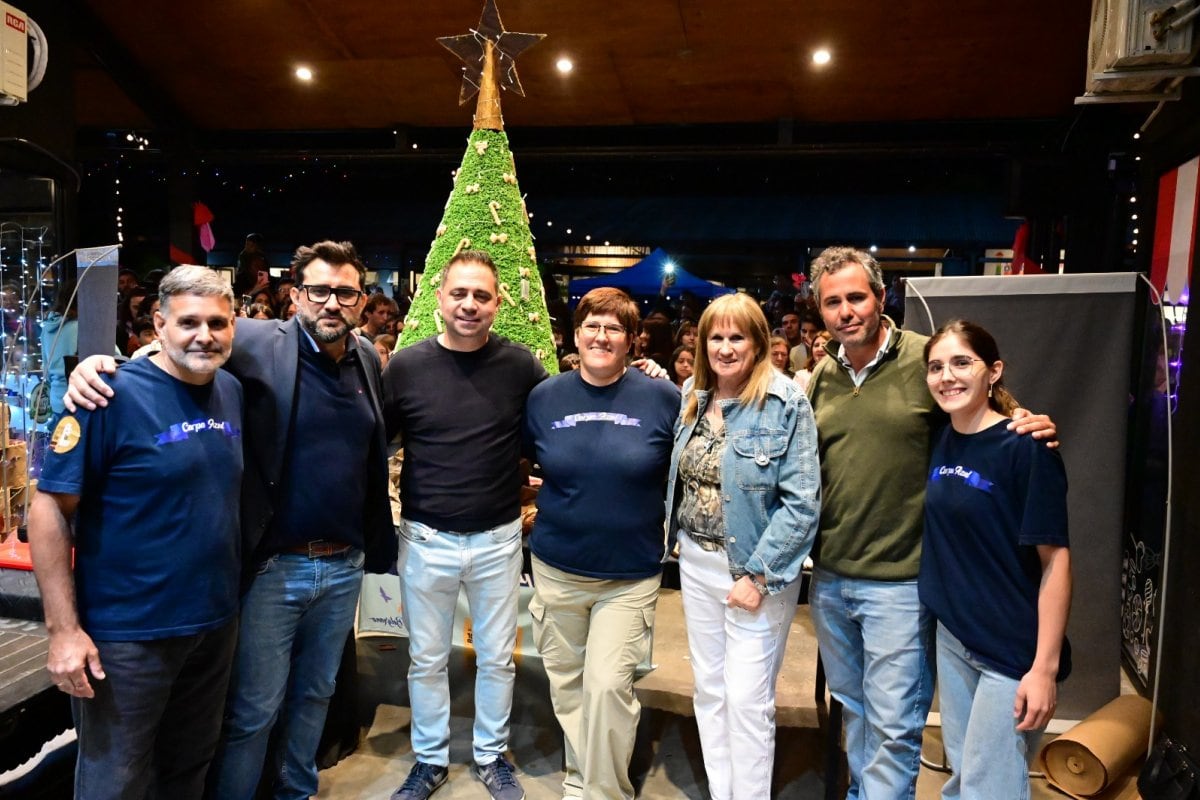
x,y
912,248
304,73
565,65
821,57
874,249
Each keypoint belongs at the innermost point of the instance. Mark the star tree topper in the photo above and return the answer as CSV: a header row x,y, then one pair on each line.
x,y
489,38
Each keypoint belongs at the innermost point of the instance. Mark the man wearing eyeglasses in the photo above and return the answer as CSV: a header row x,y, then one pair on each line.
x,y
314,508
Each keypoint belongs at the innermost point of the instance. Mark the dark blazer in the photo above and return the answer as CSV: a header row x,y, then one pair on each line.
x,y
265,358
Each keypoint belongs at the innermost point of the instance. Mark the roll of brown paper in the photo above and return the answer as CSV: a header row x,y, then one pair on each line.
x,y
1098,759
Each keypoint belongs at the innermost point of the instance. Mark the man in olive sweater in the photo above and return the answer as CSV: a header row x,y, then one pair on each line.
x,y
875,418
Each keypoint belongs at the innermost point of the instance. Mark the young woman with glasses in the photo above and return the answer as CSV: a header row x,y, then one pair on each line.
x,y
995,570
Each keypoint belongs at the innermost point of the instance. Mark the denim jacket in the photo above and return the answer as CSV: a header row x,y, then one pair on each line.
x,y
770,482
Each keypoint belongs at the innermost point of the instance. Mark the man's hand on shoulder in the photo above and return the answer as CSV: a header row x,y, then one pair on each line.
x,y
86,389
650,367
1040,426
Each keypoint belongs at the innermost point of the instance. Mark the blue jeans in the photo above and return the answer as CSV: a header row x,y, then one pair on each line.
x,y
876,642
989,756
295,620
433,565
152,727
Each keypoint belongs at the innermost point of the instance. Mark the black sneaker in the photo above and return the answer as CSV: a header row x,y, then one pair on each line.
x,y
499,779
422,781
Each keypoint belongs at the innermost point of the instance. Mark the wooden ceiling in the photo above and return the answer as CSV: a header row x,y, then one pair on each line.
x,y
228,64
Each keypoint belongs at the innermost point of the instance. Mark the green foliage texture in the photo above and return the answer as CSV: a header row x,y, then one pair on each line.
x,y
481,181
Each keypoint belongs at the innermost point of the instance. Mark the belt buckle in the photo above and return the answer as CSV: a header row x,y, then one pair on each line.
x,y
320,549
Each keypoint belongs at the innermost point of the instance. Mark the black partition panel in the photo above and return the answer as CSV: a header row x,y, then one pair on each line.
x,y
1067,343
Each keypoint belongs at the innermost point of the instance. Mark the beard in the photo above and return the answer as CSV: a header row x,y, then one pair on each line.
x,y
197,362
325,334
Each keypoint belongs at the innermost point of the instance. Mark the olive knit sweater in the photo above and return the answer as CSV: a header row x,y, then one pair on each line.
x,y
874,447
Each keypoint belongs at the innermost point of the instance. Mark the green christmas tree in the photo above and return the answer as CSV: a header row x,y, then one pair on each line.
x,y
485,210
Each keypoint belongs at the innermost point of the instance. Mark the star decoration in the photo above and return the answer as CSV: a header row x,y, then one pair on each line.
x,y
507,45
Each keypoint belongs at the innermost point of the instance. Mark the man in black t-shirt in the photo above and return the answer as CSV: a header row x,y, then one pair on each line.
x,y
457,400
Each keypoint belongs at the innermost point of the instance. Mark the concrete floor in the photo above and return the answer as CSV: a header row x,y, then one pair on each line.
x,y
667,764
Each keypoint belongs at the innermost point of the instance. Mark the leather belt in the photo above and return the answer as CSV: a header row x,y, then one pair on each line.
x,y
318,549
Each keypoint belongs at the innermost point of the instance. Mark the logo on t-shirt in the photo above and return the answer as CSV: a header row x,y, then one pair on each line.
x,y
968,476
180,431
621,420
66,435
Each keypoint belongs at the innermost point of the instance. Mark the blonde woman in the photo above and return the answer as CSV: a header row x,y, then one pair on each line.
x,y
743,497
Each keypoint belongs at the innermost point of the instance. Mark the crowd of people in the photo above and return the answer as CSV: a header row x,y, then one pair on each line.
x,y
742,465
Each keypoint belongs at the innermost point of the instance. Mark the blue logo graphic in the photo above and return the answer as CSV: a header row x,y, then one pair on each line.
x,y
621,420
180,431
968,476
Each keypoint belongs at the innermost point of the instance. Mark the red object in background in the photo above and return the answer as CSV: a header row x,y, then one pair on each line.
x,y
1021,263
1175,231
15,555
180,257
202,216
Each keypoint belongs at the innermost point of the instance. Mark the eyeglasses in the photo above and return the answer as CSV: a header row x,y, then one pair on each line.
x,y
594,328
960,367
320,294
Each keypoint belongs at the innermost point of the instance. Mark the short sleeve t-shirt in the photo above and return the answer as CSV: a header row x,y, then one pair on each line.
x,y
604,453
992,497
158,472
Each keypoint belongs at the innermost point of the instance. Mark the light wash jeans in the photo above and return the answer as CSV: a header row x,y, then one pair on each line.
x,y
295,621
876,642
736,656
433,565
989,756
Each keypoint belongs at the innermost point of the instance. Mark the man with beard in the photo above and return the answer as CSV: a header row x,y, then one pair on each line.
x,y
314,501
143,624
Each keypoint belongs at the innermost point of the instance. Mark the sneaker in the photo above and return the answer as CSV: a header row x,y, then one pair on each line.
x,y
422,781
499,779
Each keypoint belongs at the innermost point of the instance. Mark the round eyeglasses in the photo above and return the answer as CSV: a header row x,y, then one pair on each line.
x,y
959,366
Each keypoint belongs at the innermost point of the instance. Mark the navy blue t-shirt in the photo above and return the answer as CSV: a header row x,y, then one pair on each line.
x,y
158,473
604,452
992,497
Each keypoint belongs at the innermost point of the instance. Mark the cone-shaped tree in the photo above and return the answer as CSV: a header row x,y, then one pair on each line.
x,y
486,212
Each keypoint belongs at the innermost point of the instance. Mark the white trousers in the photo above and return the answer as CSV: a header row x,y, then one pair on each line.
x,y
736,656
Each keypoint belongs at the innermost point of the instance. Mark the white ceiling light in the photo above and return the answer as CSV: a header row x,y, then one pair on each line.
x,y
821,57
564,65
304,73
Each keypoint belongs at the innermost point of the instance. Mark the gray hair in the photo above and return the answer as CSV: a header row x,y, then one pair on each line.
x,y
194,280
832,259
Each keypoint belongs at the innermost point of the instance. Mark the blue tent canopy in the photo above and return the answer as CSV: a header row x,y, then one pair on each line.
x,y
646,277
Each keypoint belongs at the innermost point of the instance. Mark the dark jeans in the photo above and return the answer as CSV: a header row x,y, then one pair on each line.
x,y
152,728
